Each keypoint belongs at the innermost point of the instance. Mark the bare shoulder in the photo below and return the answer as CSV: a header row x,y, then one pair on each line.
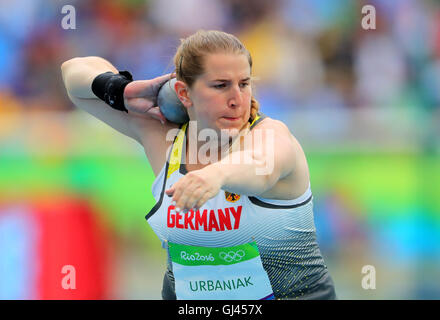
x,y
269,123
279,130
284,139
289,159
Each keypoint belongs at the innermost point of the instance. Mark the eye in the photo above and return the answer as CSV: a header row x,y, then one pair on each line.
x,y
219,86
244,84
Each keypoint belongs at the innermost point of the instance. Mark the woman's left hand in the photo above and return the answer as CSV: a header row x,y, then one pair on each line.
x,y
195,188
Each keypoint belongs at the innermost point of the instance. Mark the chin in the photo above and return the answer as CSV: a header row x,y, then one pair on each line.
x,y
233,125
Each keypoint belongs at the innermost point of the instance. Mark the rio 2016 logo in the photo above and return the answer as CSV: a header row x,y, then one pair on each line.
x,y
232,255
195,256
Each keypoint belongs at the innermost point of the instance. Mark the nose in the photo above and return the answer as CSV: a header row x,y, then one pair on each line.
x,y
236,98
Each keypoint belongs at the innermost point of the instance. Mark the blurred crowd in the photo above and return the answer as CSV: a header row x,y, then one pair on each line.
x,y
307,53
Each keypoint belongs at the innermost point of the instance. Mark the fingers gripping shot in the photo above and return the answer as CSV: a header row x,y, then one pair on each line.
x,y
234,206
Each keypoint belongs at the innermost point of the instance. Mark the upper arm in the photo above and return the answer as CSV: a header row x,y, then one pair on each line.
x,y
78,74
116,119
149,132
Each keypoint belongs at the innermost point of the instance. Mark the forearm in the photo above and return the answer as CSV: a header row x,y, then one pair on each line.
x,y
245,173
79,73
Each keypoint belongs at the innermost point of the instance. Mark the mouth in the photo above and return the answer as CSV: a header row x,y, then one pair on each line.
x,y
231,118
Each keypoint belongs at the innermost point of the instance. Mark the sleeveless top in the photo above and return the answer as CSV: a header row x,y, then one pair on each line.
x,y
283,229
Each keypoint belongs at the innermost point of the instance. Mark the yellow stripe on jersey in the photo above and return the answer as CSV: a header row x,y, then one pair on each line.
x,y
176,152
256,118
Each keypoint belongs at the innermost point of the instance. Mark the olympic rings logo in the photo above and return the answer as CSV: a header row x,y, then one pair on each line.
x,y
232,256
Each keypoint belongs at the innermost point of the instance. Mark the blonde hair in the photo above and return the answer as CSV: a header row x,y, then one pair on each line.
x,y
188,59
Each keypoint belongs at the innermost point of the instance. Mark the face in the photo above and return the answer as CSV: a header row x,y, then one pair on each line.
x,y
221,97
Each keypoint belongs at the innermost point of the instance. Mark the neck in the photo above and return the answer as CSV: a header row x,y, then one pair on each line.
x,y
204,149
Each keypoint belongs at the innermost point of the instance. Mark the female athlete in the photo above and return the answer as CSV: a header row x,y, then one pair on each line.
x,y
235,212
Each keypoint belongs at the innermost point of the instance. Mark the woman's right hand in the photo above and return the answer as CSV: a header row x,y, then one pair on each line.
x,y
141,96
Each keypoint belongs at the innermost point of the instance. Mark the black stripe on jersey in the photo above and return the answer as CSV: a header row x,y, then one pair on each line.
x,y
277,206
159,203
182,167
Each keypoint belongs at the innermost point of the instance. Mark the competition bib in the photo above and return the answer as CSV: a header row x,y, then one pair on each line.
x,y
225,273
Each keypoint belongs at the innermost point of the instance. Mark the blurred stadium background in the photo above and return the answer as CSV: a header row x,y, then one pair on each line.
x,y
364,104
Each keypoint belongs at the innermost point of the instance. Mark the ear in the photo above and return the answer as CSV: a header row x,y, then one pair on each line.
x,y
182,92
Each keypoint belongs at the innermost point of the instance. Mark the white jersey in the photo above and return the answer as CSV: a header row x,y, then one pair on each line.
x,y
283,229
